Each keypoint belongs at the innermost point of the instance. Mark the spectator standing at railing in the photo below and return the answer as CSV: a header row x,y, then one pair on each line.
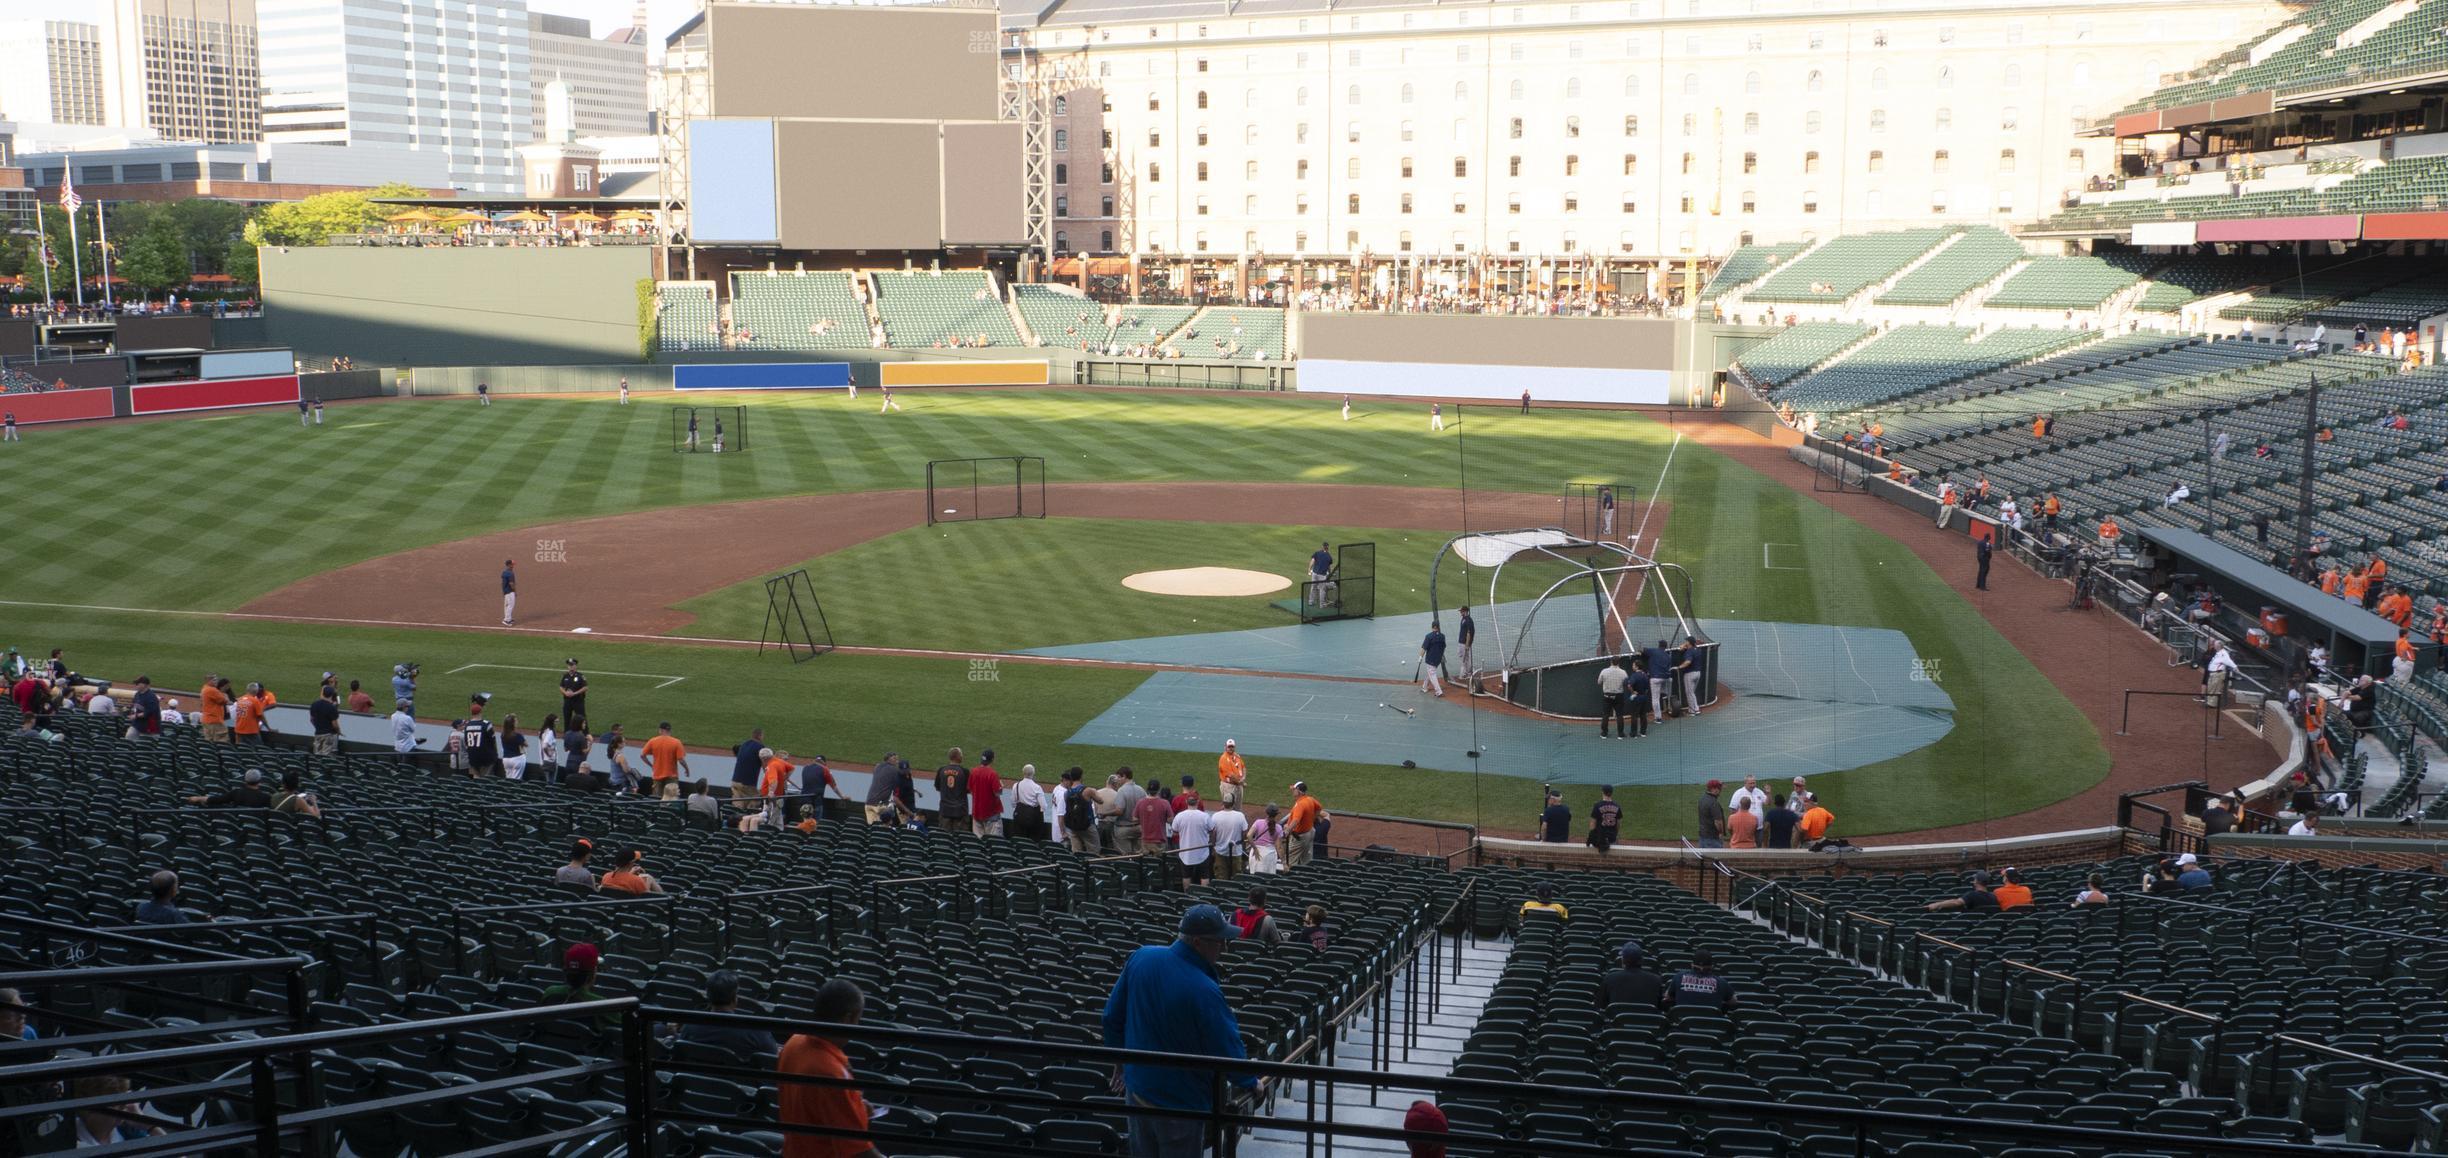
x,y
1232,773
666,756
1712,816
249,723
748,759
1155,815
1301,826
887,785
985,796
215,712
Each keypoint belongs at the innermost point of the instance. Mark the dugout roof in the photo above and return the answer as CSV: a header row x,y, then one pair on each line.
x,y
2232,571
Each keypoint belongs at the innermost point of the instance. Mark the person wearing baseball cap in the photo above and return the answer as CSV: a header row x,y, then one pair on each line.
x,y
1712,817
1301,824
1631,984
1231,774
1168,1000
578,967
1425,1118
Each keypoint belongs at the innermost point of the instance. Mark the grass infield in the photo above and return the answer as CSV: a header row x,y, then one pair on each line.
x,y
240,504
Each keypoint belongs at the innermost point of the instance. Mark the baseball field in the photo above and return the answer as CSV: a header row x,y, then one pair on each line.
x,y
263,551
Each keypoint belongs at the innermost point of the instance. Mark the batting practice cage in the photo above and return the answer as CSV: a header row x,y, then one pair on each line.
x,y
962,490
1349,591
709,429
1552,607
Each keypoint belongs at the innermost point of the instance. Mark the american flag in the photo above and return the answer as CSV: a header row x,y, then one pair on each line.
x,y
68,195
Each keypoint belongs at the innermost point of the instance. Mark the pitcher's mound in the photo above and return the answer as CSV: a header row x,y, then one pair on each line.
x,y
1206,581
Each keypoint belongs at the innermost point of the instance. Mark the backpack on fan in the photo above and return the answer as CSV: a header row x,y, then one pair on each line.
x,y
1077,815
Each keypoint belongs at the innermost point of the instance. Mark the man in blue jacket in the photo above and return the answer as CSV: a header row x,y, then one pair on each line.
x,y
1168,1000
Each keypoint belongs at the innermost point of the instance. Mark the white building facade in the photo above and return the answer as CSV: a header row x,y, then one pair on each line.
x,y
1623,130
447,76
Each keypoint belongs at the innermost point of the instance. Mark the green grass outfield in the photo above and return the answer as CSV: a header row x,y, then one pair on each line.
x,y
236,505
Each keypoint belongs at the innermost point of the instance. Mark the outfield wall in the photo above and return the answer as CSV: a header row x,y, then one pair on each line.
x,y
1619,360
472,305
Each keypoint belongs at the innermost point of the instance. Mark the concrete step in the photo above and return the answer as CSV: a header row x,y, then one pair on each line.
x,y
1419,1037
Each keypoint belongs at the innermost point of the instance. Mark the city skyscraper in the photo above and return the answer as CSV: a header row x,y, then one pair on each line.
x,y
606,77
189,70
51,71
451,76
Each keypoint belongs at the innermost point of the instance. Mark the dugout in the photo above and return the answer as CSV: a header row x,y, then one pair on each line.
x,y
2358,641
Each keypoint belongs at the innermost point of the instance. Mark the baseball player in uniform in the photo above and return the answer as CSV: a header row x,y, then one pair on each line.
x,y
889,404
509,578
692,430
1436,416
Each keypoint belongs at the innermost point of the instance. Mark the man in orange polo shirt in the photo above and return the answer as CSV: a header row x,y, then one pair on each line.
x,y
216,699
807,1055
1815,821
2110,532
667,756
1302,825
1231,774
249,722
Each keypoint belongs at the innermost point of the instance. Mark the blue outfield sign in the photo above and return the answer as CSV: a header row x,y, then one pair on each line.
x,y
763,376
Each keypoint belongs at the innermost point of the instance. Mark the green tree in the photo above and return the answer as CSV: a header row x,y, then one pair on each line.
x,y
157,259
314,220
238,261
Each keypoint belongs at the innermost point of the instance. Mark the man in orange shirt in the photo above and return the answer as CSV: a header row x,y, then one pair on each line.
x,y
1231,774
250,714
2110,532
1302,825
2329,580
2405,647
625,876
807,1055
216,709
2356,583
666,755
774,784
1815,822
2013,894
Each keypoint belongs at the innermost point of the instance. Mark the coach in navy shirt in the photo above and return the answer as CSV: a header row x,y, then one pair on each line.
x,y
1658,664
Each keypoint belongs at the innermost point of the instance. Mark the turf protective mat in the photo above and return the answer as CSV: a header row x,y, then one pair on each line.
x,y
1806,699
1353,722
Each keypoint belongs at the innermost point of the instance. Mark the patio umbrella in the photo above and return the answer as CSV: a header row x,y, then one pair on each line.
x,y
410,217
584,216
526,215
633,215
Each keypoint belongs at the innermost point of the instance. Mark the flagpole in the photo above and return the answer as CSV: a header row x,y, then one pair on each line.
x,y
102,227
76,261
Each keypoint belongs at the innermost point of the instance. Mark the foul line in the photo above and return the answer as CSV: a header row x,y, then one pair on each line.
x,y
667,680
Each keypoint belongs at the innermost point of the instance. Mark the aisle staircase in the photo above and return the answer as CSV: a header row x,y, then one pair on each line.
x,y
1419,1037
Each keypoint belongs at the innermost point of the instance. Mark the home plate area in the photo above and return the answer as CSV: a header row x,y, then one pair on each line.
x,y
1807,699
